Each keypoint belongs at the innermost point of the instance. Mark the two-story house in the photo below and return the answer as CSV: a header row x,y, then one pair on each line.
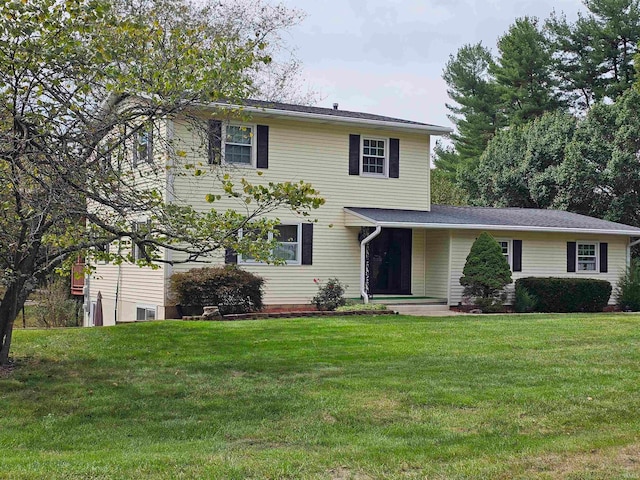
x,y
378,231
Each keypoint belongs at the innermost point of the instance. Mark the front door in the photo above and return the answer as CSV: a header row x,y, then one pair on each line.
x,y
390,262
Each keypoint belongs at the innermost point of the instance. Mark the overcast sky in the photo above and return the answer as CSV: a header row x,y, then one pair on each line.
x,y
387,56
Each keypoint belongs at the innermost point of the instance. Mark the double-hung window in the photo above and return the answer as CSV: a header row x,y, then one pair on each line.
x,y
587,257
143,146
374,156
288,247
238,145
505,245
136,250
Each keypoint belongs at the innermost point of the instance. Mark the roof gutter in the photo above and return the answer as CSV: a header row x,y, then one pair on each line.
x,y
469,226
515,228
318,117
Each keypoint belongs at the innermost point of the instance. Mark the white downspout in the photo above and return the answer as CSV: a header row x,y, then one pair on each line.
x,y
363,244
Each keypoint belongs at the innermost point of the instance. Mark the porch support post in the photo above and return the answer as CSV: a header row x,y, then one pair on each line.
x,y
631,244
363,266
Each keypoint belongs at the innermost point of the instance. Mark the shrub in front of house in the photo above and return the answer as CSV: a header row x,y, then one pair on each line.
x,y
330,295
232,289
486,273
524,301
566,294
628,289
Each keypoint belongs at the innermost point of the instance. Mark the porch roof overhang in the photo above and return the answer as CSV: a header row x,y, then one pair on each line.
x,y
484,218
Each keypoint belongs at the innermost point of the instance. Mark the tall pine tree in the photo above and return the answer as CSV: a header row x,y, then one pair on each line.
x,y
475,112
524,72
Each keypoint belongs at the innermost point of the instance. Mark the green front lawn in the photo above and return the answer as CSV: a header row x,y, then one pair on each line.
x,y
347,397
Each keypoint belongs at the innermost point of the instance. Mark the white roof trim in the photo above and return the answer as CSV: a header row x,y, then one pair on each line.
x,y
506,228
317,117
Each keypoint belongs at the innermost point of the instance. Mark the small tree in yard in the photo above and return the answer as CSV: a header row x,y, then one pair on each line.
x,y
486,273
84,84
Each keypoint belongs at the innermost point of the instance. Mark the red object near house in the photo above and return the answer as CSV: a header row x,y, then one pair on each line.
x,y
77,277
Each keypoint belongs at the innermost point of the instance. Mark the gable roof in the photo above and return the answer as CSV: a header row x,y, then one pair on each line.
x,y
278,109
480,218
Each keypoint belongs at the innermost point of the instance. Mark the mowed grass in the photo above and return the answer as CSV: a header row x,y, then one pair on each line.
x,y
533,396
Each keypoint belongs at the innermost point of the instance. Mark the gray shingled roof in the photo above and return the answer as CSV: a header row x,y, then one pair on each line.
x,y
500,218
330,112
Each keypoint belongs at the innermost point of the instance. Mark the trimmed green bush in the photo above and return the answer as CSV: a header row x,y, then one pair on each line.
x,y
486,273
232,289
566,294
628,289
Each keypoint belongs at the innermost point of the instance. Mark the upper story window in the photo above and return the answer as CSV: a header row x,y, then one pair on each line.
x,y
288,247
587,257
374,156
238,145
143,146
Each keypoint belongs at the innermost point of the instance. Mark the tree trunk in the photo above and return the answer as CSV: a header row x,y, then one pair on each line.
x,y
11,304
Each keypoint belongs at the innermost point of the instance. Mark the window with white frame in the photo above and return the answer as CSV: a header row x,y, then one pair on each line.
x,y
374,156
238,145
145,312
136,250
587,256
143,149
288,248
505,245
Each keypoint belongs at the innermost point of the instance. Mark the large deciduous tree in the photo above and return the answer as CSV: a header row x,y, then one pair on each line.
x,y
589,166
600,175
81,82
520,166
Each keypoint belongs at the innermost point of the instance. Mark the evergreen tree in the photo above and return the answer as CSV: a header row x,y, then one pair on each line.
x,y
475,112
524,73
594,55
486,273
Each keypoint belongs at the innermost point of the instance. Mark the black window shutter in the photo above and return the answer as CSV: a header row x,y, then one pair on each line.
x,y
354,154
571,256
394,158
517,255
215,141
262,157
307,243
230,256
136,146
604,257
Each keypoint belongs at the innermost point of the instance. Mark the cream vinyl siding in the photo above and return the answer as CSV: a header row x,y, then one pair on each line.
x,y
138,285
436,263
318,154
543,255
